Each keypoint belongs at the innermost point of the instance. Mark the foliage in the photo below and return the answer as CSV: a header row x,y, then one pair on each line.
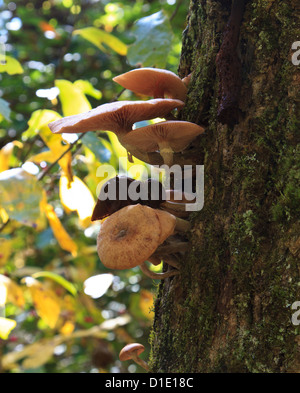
x,y
59,59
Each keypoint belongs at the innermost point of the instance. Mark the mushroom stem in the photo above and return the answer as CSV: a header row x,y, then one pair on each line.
x,y
157,276
182,225
166,152
171,248
140,361
172,262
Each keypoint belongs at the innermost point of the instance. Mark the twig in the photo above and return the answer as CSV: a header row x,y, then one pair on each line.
x,y
179,2
44,173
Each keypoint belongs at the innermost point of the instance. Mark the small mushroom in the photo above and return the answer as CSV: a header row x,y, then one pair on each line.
x,y
167,137
132,351
153,82
130,236
117,117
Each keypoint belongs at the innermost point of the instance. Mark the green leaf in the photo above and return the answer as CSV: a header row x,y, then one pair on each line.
x,y
20,196
10,65
4,109
72,98
153,41
87,88
95,144
99,37
57,278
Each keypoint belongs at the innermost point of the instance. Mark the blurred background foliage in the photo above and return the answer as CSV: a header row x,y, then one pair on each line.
x,y
60,309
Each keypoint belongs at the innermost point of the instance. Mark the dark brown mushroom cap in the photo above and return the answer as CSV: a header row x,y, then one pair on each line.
x,y
117,116
128,237
104,208
153,82
176,134
129,349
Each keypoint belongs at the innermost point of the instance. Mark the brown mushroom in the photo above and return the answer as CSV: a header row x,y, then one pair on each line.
x,y
130,236
167,137
132,351
153,82
108,204
117,117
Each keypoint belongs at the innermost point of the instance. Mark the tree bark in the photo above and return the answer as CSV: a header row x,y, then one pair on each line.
x,y
230,308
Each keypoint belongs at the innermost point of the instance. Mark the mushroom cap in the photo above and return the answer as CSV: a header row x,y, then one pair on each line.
x,y
126,352
116,116
153,82
104,208
128,237
167,224
178,134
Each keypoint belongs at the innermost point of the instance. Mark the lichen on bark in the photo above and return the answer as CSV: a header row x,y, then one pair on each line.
x,y
230,309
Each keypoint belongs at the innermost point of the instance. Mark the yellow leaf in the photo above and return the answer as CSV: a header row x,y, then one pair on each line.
x,y
76,196
38,123
13,291
5,154
5,250
67,328
6,326
3,216
47,156
57,149
99,37
10,65
59,231
46,303
72,98
146,304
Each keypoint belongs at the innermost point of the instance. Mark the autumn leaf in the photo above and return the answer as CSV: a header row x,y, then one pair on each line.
x,y
14,293
59,231
20,196
146,303
99,37
75,196
5,154
72,97
46,303
6,326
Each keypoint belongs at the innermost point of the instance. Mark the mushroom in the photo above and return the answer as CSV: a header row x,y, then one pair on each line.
x,y
117,117
153,82
112,203
132,351
167,137
130,236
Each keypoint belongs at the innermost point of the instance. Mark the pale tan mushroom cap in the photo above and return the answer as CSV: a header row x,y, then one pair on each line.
x,y
167,224
153,82
178,134
128,237
116,116
126,352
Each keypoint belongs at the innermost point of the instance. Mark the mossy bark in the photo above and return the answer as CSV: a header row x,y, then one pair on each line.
x,y
230,308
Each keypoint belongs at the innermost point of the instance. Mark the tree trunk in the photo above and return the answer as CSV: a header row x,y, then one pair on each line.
x,y
230,308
